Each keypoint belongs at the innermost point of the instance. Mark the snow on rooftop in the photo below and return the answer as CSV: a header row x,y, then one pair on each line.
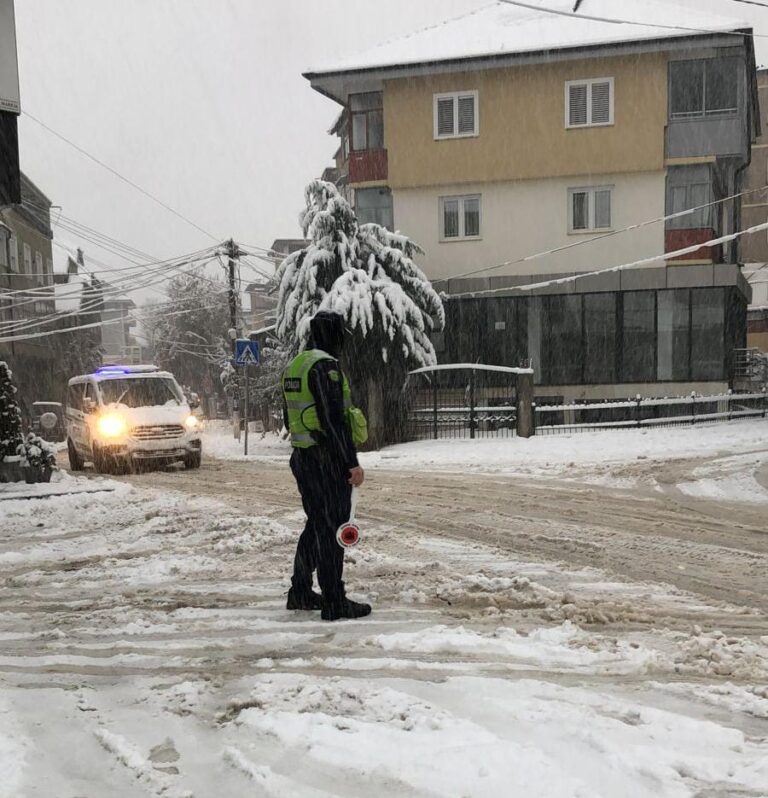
x,y
67,296
503,29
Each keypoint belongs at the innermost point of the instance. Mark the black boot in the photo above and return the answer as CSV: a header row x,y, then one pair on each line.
x,y
303,601
342,607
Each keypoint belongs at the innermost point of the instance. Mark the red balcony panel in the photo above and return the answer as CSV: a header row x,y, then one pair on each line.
x,y
680,239
367,165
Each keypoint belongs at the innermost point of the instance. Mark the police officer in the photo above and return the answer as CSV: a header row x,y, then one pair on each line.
x,y
324,463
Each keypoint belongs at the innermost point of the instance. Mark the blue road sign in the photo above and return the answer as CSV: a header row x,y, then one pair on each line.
x,y
246,352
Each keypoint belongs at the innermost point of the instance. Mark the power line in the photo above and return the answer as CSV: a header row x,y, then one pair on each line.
x,y
134,317
585,241
751,3
617,21
91,297
622,267
120,176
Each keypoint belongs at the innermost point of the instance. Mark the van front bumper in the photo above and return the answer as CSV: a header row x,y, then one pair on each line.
x,y
154,450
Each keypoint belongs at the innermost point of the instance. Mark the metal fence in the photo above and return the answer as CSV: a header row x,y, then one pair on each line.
x,y
642,412
462,401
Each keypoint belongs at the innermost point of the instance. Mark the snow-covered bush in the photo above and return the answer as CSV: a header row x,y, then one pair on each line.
x,y
10,415
368,275
36,453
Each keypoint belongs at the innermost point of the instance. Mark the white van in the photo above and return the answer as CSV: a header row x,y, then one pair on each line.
x,y
120,416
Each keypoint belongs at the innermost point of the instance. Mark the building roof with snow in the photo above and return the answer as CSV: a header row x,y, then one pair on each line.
x,y
68,296
502,31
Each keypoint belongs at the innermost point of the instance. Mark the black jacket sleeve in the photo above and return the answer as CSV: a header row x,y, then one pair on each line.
x,y
329,402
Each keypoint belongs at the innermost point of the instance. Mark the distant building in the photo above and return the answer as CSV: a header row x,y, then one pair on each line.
x,y
10,174
754,248
26,291
260,303
506,133
118,344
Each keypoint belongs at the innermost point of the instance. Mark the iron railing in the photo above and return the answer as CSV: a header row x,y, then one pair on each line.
x,y
462,400
649,412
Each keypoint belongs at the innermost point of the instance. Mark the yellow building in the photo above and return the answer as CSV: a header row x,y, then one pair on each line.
x,y
516,144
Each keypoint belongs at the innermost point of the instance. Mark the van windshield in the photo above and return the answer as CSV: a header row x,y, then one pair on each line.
x,y
141,392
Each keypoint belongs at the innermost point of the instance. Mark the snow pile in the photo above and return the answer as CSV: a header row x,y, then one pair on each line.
x,y
561,647
487,737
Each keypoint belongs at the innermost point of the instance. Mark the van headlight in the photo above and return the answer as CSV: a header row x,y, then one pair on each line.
x,y
112,425
191,422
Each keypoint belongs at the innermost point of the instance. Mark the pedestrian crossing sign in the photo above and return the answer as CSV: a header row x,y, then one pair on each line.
x,y
246,352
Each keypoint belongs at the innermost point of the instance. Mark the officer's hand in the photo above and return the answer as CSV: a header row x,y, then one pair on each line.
x,y
356,476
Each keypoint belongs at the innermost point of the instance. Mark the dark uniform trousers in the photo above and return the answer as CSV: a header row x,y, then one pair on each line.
x,y
326,496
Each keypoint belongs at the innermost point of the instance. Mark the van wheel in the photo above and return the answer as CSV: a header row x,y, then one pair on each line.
x,y
104,463
75,461
193,460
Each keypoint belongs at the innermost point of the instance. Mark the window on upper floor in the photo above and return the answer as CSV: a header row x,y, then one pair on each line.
x,y
3,249
589,103
703,87
39,275
367,120
456,115
684,198
374,205
689,187
589,209
13,253
27,266
460,218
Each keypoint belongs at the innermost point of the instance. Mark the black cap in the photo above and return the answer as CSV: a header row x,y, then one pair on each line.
x,y
327,330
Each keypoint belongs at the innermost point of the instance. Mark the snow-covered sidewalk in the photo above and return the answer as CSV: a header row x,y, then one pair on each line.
x,y
620,458
147,651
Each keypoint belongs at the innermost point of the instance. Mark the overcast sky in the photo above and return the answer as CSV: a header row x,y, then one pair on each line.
x,y
202,103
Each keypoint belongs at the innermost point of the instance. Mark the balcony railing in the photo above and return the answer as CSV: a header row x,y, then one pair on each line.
x,y
680,239
366,166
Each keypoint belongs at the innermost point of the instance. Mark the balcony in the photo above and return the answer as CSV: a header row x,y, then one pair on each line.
x,y
365,166
680,239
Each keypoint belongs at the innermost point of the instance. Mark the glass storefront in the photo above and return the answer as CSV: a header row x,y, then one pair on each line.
x,y
672,335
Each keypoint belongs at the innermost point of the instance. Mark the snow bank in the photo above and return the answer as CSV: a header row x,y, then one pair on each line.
x,y
555,455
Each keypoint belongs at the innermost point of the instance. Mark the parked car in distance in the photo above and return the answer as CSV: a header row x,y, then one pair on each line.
x,y
120,417
47,421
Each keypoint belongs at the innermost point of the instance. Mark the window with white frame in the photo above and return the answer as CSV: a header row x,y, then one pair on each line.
x,y
456,115
27,269
460,218
589,209
589,103
39,267
3,249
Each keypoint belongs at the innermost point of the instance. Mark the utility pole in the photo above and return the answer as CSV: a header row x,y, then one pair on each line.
x,y
233,253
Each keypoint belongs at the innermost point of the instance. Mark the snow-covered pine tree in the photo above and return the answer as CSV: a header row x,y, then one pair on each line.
x,y
10,415
367,274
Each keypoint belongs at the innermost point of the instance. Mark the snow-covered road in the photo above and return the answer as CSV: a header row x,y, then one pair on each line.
x,y
530,637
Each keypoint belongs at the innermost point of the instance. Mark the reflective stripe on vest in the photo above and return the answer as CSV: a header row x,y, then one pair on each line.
x,y
299,401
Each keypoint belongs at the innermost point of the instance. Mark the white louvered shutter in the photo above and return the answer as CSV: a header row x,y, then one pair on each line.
x,y
601,103
577,105
445,125
466,114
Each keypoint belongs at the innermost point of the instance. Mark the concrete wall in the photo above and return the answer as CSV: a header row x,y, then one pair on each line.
x,y
525,217
522,132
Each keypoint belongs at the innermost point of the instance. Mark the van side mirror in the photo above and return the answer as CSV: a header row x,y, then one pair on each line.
x,y
89,406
